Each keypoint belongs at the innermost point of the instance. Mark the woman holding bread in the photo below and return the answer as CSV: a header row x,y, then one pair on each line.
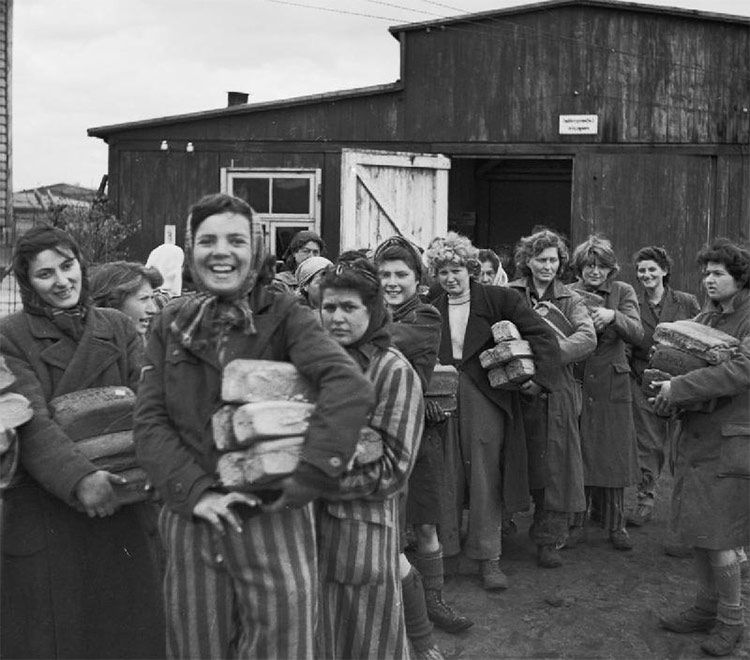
x,y
607,429
241,576
659,303
711,496
552,428
78,576
486,460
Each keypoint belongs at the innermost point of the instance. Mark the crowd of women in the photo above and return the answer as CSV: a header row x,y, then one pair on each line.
x,y
340,560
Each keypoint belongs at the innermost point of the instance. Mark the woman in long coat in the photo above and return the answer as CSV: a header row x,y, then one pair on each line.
x,y
552,420
78,576
607,430
486,462
711,496
659,303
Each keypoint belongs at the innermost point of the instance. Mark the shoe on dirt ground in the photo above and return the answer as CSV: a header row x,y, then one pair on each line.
x,y
492,575
620,540
642,514
548,556
690,620
431,653
678,550
723,639
443,615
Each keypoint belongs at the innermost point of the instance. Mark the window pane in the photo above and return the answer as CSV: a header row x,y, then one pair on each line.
x,y
284,236
291,195
254,192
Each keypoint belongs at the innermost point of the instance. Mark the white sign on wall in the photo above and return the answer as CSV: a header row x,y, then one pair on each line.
x,y
579,124
170,234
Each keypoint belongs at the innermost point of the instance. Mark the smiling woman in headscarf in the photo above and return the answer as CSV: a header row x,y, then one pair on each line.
x,y
241,579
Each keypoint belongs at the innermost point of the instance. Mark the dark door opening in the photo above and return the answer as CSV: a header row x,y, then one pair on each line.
x,y
496,201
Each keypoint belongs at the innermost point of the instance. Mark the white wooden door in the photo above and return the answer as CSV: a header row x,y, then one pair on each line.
x,y
387,193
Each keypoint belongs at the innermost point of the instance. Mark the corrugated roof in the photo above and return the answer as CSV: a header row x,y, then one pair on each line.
x,y
554,4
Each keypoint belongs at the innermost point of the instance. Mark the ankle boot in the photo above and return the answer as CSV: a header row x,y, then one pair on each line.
x,y
430,565
492,575
418,626
727,633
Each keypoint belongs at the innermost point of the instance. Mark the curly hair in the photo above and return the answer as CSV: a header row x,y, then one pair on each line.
x,y
454,249
112,283
535,244
656,254
595,249
734,257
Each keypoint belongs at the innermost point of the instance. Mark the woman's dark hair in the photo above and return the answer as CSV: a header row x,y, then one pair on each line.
x,y
357,274
398,248
299,240
485,254
113,282
37,240
535,244
734,257
595,249
656,254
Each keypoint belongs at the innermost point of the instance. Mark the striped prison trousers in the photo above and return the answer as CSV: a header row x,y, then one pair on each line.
x,y
361,609
250,595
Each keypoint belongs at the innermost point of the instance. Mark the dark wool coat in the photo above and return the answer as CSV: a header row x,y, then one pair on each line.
x,y
608,440
711,497
488,305
73,586
552,420
181,389
675,306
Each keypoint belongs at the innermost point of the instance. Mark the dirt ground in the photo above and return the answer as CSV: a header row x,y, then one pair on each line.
x,y
601,604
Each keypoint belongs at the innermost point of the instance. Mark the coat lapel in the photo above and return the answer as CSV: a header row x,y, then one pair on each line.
x,y
479,328
670,306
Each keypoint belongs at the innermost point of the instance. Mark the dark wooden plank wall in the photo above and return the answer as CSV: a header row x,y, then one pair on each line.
x,y
649,77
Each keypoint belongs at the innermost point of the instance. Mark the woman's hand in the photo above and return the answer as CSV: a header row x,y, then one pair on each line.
x,y
434,414
661,402
530,388
602,317
294,495
96,495
216,508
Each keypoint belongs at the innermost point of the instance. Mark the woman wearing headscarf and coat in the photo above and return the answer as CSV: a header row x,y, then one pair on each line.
x,y
711,495
486,455
552,420
241,576
608,441
79,579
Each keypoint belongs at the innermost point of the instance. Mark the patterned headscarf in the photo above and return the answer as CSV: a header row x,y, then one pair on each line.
x,y
219,312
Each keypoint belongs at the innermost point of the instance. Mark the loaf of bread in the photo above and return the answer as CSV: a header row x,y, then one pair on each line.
x,y
674,361
592,300
96,411
505,352
266,420
15,410
555,318
700,340
505,331
443,387
511,375
221,425
248,381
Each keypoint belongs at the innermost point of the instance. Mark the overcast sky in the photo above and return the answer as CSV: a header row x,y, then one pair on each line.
x,y
84,63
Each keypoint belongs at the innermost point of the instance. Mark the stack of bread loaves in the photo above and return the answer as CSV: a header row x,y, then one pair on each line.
x,y
510,362
683,346
100,421
15,410
261,427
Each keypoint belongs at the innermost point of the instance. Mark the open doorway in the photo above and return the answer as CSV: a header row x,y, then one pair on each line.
x,y
496,201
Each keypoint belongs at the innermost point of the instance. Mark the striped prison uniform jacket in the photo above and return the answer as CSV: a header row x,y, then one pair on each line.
x,y
361,611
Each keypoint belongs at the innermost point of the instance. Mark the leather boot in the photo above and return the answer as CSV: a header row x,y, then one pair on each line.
x,y
418,626
723,639
693,619
492,575
430,565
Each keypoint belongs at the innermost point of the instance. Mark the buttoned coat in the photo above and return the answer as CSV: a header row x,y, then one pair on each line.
x,y
73,586
181,389
675,306
608,440
552,420
489,304
711,496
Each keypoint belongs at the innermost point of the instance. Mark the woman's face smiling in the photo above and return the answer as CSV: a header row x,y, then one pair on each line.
x,y
650,274
399,282
222,252
55,276
594,274
454,279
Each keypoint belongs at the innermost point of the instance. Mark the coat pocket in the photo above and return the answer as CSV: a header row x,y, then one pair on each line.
x,y
735,450
356,551
619,387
